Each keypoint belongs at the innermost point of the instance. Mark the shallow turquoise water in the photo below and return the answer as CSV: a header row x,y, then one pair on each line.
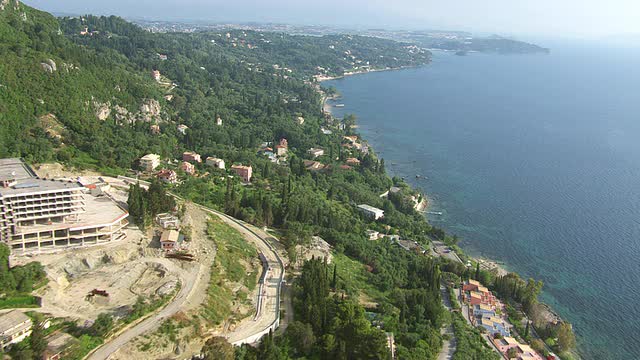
x,y
535,161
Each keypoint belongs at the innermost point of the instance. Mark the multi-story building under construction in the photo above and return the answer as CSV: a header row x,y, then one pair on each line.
x,y
41,214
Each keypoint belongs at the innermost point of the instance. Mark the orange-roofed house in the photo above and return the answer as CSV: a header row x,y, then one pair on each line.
x,y
245,172
188,168
168,176
191,156
353,161
471,285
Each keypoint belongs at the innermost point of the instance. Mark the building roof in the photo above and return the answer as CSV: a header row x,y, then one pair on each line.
x,y
241,167
483,289
474,282
170,236
12,319
14,168
150,157
507,340
370,208
27,182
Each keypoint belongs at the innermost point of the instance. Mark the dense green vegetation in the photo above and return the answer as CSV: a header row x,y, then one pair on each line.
x,y
228,272
144,205
17,283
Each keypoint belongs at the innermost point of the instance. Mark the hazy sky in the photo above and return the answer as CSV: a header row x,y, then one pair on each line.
x,y
532,17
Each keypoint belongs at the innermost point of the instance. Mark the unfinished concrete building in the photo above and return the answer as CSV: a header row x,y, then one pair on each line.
x,y
40,214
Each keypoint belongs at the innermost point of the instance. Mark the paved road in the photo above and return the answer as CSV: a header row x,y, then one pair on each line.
x,y
268,314
441,249
448,346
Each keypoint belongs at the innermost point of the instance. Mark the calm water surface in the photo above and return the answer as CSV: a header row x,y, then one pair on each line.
x,y
535,161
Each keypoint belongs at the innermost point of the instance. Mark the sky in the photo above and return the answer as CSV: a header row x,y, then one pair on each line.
x,y
581,18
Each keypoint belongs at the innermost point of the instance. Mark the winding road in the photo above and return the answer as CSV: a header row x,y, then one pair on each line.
x,y
268,315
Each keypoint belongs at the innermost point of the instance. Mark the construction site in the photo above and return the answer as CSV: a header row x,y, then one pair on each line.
x,y
39,215
111,275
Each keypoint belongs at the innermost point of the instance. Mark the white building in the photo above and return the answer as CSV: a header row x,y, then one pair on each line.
x,y
182,129
215,162
316,152
14,327
373,235
371,211
167,221
150,162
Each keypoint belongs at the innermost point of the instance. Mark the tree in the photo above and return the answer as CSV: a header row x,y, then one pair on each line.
x,y
102,325
37,339
301,337
218,348
477,277
566,337
334,282
512,353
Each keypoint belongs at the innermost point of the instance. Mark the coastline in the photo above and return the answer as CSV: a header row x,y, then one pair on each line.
x,y
421,207
494,266
320,79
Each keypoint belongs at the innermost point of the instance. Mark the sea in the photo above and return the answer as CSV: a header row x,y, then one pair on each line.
x,y
534,161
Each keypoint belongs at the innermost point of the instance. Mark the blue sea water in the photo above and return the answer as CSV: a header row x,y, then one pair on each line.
x,y
534,160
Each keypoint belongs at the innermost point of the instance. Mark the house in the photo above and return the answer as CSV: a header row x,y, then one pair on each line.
x,y
188,168
314,152
525,352
149,162
218,121
505,344
282,147
182,129
300,120
168,221
154,129
281,150
373,235
162,57
482,310
353,161
351,139
14,327
371,211
245,172
156,75
471,285
167,175
56,344
215,162
191,156
313,165
170,240
326,131
494,325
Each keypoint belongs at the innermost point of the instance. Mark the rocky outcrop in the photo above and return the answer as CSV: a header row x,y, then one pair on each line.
x,y
150,110
49,66
103,110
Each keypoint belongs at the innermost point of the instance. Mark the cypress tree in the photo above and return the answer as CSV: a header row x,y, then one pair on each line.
x,y
335,276
477,271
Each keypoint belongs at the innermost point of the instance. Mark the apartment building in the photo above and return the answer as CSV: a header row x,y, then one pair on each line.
x,y
42,214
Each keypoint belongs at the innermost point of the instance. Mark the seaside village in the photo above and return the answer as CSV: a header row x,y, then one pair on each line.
x,y
482,309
